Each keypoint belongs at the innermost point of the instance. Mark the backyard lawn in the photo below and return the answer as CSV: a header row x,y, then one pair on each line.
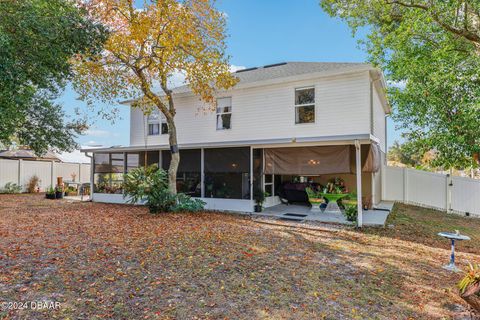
x,y
117,261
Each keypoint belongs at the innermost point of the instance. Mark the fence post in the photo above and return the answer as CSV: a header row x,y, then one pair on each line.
x,y
52,174
20,173
405,184
448,190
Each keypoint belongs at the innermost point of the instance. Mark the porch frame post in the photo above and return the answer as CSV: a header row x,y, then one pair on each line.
x,y
202,173
358,169
251,173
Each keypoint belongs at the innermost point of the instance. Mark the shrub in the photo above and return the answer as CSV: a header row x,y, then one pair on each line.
x,y
32,184
150,185
11,187
186,203
351,212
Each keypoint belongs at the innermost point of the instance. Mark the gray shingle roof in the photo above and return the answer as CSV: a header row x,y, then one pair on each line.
x,y
288,69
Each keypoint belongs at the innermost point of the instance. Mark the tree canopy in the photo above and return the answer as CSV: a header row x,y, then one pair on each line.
x,y
37,40
147,47
430,51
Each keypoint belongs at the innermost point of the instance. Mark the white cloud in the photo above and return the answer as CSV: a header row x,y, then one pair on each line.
x,y
100,133
234,68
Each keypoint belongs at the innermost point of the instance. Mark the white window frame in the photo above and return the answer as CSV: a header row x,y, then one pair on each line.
x,y
158,121
217,114
296,106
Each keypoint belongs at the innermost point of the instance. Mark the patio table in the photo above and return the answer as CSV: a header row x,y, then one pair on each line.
x,y
452,236
332,206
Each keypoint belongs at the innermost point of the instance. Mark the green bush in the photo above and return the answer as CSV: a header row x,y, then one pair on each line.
x,y
351,212
150,186
186,203
11,187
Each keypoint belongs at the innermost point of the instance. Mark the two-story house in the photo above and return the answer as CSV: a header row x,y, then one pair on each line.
x,y
286,123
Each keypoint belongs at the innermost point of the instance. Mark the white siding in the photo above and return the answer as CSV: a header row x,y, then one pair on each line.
x,y
267,112
379,121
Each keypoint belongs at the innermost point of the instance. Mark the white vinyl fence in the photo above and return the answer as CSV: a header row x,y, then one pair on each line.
x,y
20,172
432,190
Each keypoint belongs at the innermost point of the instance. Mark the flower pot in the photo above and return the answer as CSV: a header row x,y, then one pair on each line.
x,y
50,196
59,194
258,208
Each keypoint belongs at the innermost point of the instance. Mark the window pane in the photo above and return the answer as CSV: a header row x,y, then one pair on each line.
x,y
224,102
102,162
224,109
154,116
153,129
164,128
305,96
268,178
224,121
305,114
133,161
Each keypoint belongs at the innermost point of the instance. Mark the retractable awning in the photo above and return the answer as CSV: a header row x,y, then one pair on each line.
x,y
310,161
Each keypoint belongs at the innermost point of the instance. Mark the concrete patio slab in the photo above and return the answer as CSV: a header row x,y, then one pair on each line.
x,y
374,217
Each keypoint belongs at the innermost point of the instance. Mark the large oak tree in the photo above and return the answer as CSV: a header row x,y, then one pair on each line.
x,y
148,46
37,40
430,50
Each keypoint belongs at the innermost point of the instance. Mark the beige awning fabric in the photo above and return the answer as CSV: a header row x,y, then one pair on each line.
x,y
311,161
372,163
307,160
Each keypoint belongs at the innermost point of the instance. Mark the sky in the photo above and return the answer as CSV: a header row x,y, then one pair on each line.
x,y
259,33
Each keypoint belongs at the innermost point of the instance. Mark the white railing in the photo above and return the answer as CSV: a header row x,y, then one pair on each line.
x,y
20,172
432,190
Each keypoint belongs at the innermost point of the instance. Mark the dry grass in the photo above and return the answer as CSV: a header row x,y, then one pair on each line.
x,y
114,261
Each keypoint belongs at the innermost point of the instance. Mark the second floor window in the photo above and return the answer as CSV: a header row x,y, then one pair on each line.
x,y
305,105
224,113
157,123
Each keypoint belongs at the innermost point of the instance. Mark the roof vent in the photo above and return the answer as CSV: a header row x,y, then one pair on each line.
x,y
274,65
248,69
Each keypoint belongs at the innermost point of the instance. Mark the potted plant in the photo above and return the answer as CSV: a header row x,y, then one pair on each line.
x,y
50,194
71,191
259,197
315,198
59,192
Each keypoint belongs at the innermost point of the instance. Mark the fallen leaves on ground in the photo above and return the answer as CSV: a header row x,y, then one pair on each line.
x,y
117,261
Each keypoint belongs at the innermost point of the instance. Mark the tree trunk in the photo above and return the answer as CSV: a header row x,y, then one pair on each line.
x,y
472,297
172,169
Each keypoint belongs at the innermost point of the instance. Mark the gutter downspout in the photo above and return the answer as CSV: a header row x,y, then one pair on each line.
x,y
92,166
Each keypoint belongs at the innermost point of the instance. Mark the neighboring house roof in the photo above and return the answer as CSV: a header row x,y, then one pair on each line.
x,y
28,154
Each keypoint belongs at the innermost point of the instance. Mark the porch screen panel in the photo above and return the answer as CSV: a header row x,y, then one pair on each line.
x,y
307,161
227,173
189,170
